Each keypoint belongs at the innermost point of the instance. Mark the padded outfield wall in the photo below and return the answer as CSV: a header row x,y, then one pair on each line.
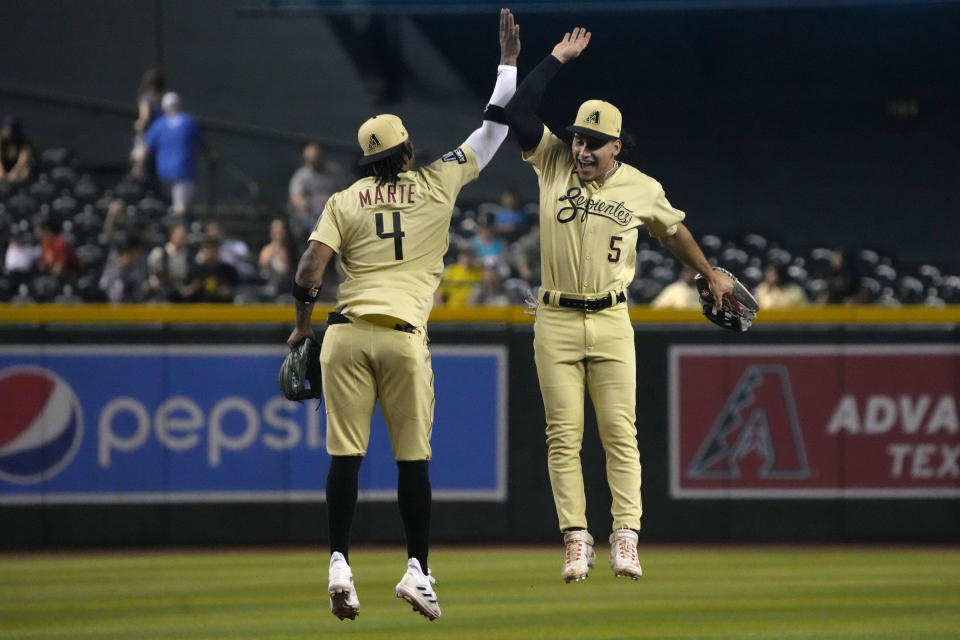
x,y
164,426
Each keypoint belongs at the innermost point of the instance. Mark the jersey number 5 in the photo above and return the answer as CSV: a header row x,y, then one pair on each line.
x,y
397,233
615,256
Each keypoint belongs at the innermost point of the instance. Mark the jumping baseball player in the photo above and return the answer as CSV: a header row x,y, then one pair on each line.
x,y
591,209
391,230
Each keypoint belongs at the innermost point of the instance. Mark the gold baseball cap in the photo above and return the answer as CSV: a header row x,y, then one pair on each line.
x,y
597,119
380,136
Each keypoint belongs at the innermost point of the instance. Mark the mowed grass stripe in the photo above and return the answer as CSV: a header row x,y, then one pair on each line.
x,y
511,593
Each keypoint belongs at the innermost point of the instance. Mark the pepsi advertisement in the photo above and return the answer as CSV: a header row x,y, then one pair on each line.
x,y
147,424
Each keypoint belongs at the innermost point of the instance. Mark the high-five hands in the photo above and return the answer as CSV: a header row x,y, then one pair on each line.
x,y
571,45
509,38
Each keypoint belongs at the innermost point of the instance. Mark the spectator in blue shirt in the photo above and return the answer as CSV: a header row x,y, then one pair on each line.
x,y
510,220
486,243
175,138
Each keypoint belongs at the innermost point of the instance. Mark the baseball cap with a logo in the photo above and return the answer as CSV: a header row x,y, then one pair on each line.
x,y
380,136
597,119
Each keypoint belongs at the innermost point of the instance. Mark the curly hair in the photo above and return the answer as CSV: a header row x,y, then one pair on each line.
x,y
387,170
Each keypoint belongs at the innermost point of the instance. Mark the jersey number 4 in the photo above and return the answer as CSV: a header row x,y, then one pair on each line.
x,y
397,234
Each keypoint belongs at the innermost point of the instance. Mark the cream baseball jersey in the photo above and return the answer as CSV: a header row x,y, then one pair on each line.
x,y
392,238
588,232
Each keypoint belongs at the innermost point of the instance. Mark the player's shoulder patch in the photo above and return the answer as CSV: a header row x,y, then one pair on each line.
x,y
457,154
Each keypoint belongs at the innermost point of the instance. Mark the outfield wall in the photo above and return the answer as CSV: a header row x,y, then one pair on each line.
x,y
139,426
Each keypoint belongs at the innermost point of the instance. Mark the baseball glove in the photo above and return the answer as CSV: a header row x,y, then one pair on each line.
x,y
299,376
739,307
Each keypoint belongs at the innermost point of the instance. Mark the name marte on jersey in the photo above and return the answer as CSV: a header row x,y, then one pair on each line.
x,y
402,193
578,204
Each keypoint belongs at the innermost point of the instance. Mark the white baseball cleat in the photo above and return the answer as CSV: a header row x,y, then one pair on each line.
x,y
623,554
579,557
343,597
417,589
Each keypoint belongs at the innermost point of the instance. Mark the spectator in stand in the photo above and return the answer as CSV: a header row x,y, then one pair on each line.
x,y
175,138
843,281
168,266
20,260
57,256
310,187
149,96
778,291
233,251
510,221
486,244
16,152
211,280
123,278
459,279
526,256
489,291
275,259
681,294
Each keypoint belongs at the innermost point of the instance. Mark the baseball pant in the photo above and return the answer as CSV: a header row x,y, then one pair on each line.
x,y
363,362
575,350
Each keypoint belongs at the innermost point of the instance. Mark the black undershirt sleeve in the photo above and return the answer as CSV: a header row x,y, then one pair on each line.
x,y
521,111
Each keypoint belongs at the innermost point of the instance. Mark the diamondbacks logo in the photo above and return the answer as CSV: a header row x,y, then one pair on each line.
x,y
374,142
41,424
758,419
593,117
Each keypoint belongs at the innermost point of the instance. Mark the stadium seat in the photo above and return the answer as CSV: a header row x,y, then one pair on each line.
x,y
44,288
870,288
22,206
643,290
86,190
43,190
128,190
885,273
779,256
56,157
63,177
910,290
815,287
754,243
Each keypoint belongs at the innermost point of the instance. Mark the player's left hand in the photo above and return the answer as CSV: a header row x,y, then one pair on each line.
x,y
299,335
720,285
509,38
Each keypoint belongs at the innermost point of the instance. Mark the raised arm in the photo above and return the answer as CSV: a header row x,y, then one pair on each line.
x,y
522,109
487,139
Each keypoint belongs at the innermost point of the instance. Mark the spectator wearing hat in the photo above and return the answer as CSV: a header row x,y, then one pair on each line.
x,y
212,280
123,278
175,139
16,153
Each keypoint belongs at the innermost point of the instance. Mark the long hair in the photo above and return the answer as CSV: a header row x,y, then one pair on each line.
x,y
387,169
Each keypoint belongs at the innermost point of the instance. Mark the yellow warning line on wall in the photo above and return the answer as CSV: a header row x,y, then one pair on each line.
x,y
283,314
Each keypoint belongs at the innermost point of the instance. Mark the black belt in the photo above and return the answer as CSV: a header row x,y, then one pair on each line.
x,y
588,304
338,318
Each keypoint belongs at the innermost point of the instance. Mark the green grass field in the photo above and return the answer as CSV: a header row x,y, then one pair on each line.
x,y
488,593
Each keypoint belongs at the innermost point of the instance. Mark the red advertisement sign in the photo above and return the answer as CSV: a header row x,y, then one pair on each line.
x,y
814,421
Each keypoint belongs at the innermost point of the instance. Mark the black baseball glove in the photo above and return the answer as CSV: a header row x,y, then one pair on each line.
x,y
738,310
299,376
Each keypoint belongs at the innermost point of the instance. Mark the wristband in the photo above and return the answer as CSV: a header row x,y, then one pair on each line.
x,y
493,113
304,295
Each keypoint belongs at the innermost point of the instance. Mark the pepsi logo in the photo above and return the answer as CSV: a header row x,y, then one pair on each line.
x,y
41,424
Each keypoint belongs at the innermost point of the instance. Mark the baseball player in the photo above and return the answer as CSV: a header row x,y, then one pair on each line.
x,y
391,229
591,209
